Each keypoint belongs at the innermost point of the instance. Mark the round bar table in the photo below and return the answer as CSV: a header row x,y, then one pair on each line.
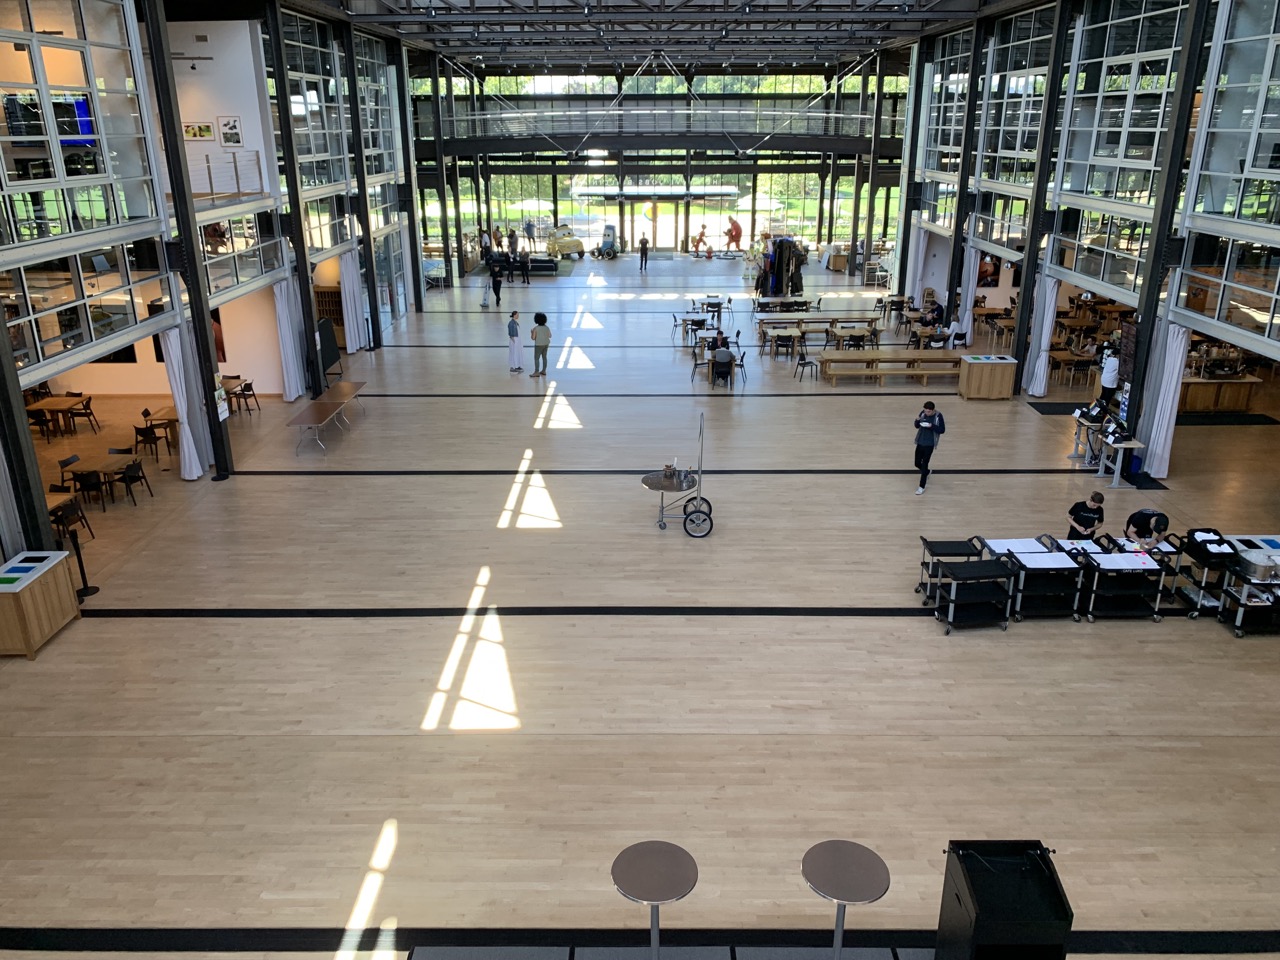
x,y
844,872
654,872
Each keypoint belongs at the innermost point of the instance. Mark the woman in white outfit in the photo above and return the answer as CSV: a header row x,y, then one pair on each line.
x,y
515,356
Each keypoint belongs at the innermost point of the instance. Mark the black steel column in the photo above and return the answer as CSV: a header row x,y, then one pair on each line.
x,y
1047,149
442,176
873,162
851,266
968,148
23,469
1161,254
184,215
910,148
555,195
822,199
355,112
293,187
455,181
409,194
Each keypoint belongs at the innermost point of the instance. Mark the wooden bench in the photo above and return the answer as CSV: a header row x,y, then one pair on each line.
x,y
920,364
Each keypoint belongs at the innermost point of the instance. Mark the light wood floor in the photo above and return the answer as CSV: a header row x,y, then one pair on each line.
x,y
237,769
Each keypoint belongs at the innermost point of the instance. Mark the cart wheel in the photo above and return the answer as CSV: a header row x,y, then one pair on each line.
x,y
1017,618
1239,634
1156,618
662,524
947,632
1193,615
1075,618
1005,625
697,503
924,602
698,524
918,588
610,253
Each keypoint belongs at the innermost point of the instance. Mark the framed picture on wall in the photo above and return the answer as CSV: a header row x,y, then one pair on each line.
x,y
197,131
230,133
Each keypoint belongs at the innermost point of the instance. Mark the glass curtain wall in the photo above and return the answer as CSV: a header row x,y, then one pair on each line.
x,y
1231,267
948,80
73,162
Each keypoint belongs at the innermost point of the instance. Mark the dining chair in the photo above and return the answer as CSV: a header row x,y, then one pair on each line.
x,y
675,325
741,364
148,437
90,482
787,344
245,394
693,351
86,413
803,363
68,514
142,474
63,464
40,420
721,371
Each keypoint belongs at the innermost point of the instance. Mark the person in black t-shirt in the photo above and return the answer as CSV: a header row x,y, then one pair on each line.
x,y
1085,517
1147,526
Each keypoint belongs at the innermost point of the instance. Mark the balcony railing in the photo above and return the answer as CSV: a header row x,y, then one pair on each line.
x,y
221,179
698,120
226,270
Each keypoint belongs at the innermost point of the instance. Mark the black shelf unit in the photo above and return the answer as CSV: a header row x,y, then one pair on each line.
x,y
1002,900
1045,585
1205,571
973,593
1120,585
1244,616
932,552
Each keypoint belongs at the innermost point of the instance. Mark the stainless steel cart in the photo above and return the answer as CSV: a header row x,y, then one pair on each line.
x,y
685,486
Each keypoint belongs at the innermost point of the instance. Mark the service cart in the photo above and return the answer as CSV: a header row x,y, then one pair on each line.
x,y
1251,590
685,488
1046,585
973,593
1119,585
1208,553
933,551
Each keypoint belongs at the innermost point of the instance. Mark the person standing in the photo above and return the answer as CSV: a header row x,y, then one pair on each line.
x,y
1110,378
486,244
511,240
1085,517
541,337
515,352
524,265
644,253
511,263
495,280
929,430
528,232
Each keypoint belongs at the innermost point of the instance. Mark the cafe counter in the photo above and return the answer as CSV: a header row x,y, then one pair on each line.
x,y
1213,395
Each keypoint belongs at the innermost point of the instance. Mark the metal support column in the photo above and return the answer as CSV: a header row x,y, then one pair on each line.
x,y
293,189
355,111
189,233
852,266
910,188
399,55
1040,217
22,469
1161,254
873,162
442,176
968,148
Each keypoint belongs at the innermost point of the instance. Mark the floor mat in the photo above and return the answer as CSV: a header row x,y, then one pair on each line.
x,y
1226,420
1056,409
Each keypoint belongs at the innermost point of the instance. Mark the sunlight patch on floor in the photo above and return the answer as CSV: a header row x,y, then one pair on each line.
x,y
367,899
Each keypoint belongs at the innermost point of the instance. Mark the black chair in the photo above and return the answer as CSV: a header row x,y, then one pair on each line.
x,y
88,484
85,414
63,464
721,370
856,341
68,514
675,325
696,362
130,475
147,437
784,344
40,420
245,394
936,341
803,363
741,364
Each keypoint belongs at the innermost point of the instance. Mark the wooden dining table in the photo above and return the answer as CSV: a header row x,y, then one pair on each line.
x,y
107,466
55,500
60,408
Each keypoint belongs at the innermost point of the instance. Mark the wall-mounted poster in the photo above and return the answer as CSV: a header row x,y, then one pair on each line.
x,y
988,272
230,133
197,131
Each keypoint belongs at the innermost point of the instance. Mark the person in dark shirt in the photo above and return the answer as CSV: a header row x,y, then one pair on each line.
x,y
929,430
1147,526
495,280
1085,517
524,265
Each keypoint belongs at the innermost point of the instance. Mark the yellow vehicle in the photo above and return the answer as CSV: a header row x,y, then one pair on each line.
x,y
562,243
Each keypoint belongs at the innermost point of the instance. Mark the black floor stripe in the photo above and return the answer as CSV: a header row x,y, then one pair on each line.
x,y
330,939
515,610
770,472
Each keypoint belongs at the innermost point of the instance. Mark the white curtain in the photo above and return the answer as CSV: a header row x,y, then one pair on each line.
x,y
352,300
968,284
189,462
915,261
1044,310
289,332
1163,403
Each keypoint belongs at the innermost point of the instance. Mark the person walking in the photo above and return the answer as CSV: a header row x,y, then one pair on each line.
x,y
524,265
511,264
495,280
515,352
529,232
929,430
541,337
1085,517
644,253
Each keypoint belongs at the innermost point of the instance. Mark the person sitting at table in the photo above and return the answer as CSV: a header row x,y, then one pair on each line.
x,y
955,334
722,363
1088,349
722,340
933,316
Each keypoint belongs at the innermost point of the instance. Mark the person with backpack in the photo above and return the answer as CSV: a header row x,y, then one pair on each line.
x,y
929,430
